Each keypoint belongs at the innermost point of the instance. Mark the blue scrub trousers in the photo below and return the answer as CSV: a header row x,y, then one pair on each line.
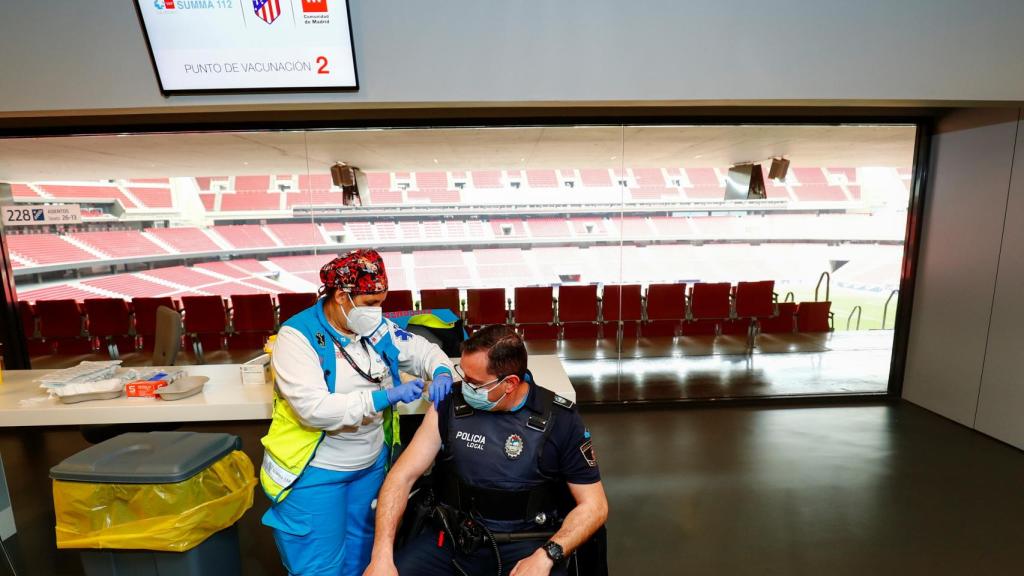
x,y
325,525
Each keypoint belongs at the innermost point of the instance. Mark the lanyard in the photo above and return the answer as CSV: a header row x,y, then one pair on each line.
x,y
351,362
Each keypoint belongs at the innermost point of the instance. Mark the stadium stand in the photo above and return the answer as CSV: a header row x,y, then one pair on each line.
x,y
380,180
185,239
594,178
649,178
487,179
245,236
541,179
259,183
427,180
549,228
120,244
79,192
250,201
46,249
297,234
152,197
380,197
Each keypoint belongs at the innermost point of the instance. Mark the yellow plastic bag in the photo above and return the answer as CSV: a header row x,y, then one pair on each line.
x,y
169,517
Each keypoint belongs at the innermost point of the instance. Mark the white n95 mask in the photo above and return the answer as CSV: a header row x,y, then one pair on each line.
x,y
363,320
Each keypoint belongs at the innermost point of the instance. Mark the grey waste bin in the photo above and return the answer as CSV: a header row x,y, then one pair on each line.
x,y
155,458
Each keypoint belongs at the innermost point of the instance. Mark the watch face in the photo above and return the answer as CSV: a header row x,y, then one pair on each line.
x,y
554,551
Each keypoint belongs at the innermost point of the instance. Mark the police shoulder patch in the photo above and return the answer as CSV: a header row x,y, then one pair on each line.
x,y
587,449
564,402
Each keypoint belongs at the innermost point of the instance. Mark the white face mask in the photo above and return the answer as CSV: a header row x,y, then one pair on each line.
x,y
363,320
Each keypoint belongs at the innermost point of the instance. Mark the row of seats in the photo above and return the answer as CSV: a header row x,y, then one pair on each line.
x,y
242,322
629,311
245,321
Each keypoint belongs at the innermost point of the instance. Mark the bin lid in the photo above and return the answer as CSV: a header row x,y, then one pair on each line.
x,y
146,458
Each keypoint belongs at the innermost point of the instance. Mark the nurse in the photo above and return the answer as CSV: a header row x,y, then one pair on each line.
x,y
334,423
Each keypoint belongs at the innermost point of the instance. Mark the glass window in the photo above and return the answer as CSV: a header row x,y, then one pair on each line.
x,y
614,247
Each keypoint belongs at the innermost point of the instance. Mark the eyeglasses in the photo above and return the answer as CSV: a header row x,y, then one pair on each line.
x,y
488,385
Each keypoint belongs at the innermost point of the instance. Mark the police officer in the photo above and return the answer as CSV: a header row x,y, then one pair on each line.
x,y
506,450
337,378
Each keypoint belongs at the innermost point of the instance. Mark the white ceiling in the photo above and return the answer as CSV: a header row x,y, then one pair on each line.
x,y
296,152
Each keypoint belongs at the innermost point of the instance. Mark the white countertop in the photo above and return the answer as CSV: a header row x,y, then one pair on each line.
x,y
224,398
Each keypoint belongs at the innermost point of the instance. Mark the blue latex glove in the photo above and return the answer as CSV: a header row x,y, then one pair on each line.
x,y
440,387
408,392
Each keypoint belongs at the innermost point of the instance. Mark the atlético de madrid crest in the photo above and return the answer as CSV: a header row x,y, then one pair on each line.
x,y
513,446
267,10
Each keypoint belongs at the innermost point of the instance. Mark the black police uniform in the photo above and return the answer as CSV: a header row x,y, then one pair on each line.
x,y
508,473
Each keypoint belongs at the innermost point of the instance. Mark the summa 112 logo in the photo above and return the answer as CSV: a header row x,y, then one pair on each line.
x,y
314,6
181,5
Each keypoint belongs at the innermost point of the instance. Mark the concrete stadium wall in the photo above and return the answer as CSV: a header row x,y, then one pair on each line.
x,y
92,56
966,337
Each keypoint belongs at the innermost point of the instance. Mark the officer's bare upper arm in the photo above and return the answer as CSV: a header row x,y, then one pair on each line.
x,y
425,444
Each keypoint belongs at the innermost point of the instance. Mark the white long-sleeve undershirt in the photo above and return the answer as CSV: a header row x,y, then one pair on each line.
x,y
354,433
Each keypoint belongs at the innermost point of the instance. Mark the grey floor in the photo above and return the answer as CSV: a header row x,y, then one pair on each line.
x,y
877,490
869,490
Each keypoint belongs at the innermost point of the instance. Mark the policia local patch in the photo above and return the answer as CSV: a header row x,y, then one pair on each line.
x,y
587,448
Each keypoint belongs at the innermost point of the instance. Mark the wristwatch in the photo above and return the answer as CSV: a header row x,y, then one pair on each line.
x,y
554,551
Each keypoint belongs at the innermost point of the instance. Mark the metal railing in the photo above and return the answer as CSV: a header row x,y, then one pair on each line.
x,y
885,310
828,282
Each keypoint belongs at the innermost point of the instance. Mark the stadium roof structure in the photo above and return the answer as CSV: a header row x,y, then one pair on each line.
x,y
448,149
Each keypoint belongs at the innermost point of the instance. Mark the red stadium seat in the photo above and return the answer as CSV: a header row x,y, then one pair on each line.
x,y
700,327
398,301
110,321
206,323
577,311
485,306
145,317
783,323
735,326
447,298
710,301
61,323
291,303
621,307
36,345
755,299
709,304
252,321
666,309
814,317
535,313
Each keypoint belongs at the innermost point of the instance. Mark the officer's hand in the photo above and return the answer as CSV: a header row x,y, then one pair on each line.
x,y
381,568
440,387
536,564
408,392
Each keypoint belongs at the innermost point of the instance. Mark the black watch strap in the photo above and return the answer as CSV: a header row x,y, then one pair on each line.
x,y
554,551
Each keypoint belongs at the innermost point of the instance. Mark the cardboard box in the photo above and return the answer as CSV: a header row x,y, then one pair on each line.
x,y
143,388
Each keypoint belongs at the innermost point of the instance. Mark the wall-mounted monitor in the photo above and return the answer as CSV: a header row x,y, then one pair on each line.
x,y
250,45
